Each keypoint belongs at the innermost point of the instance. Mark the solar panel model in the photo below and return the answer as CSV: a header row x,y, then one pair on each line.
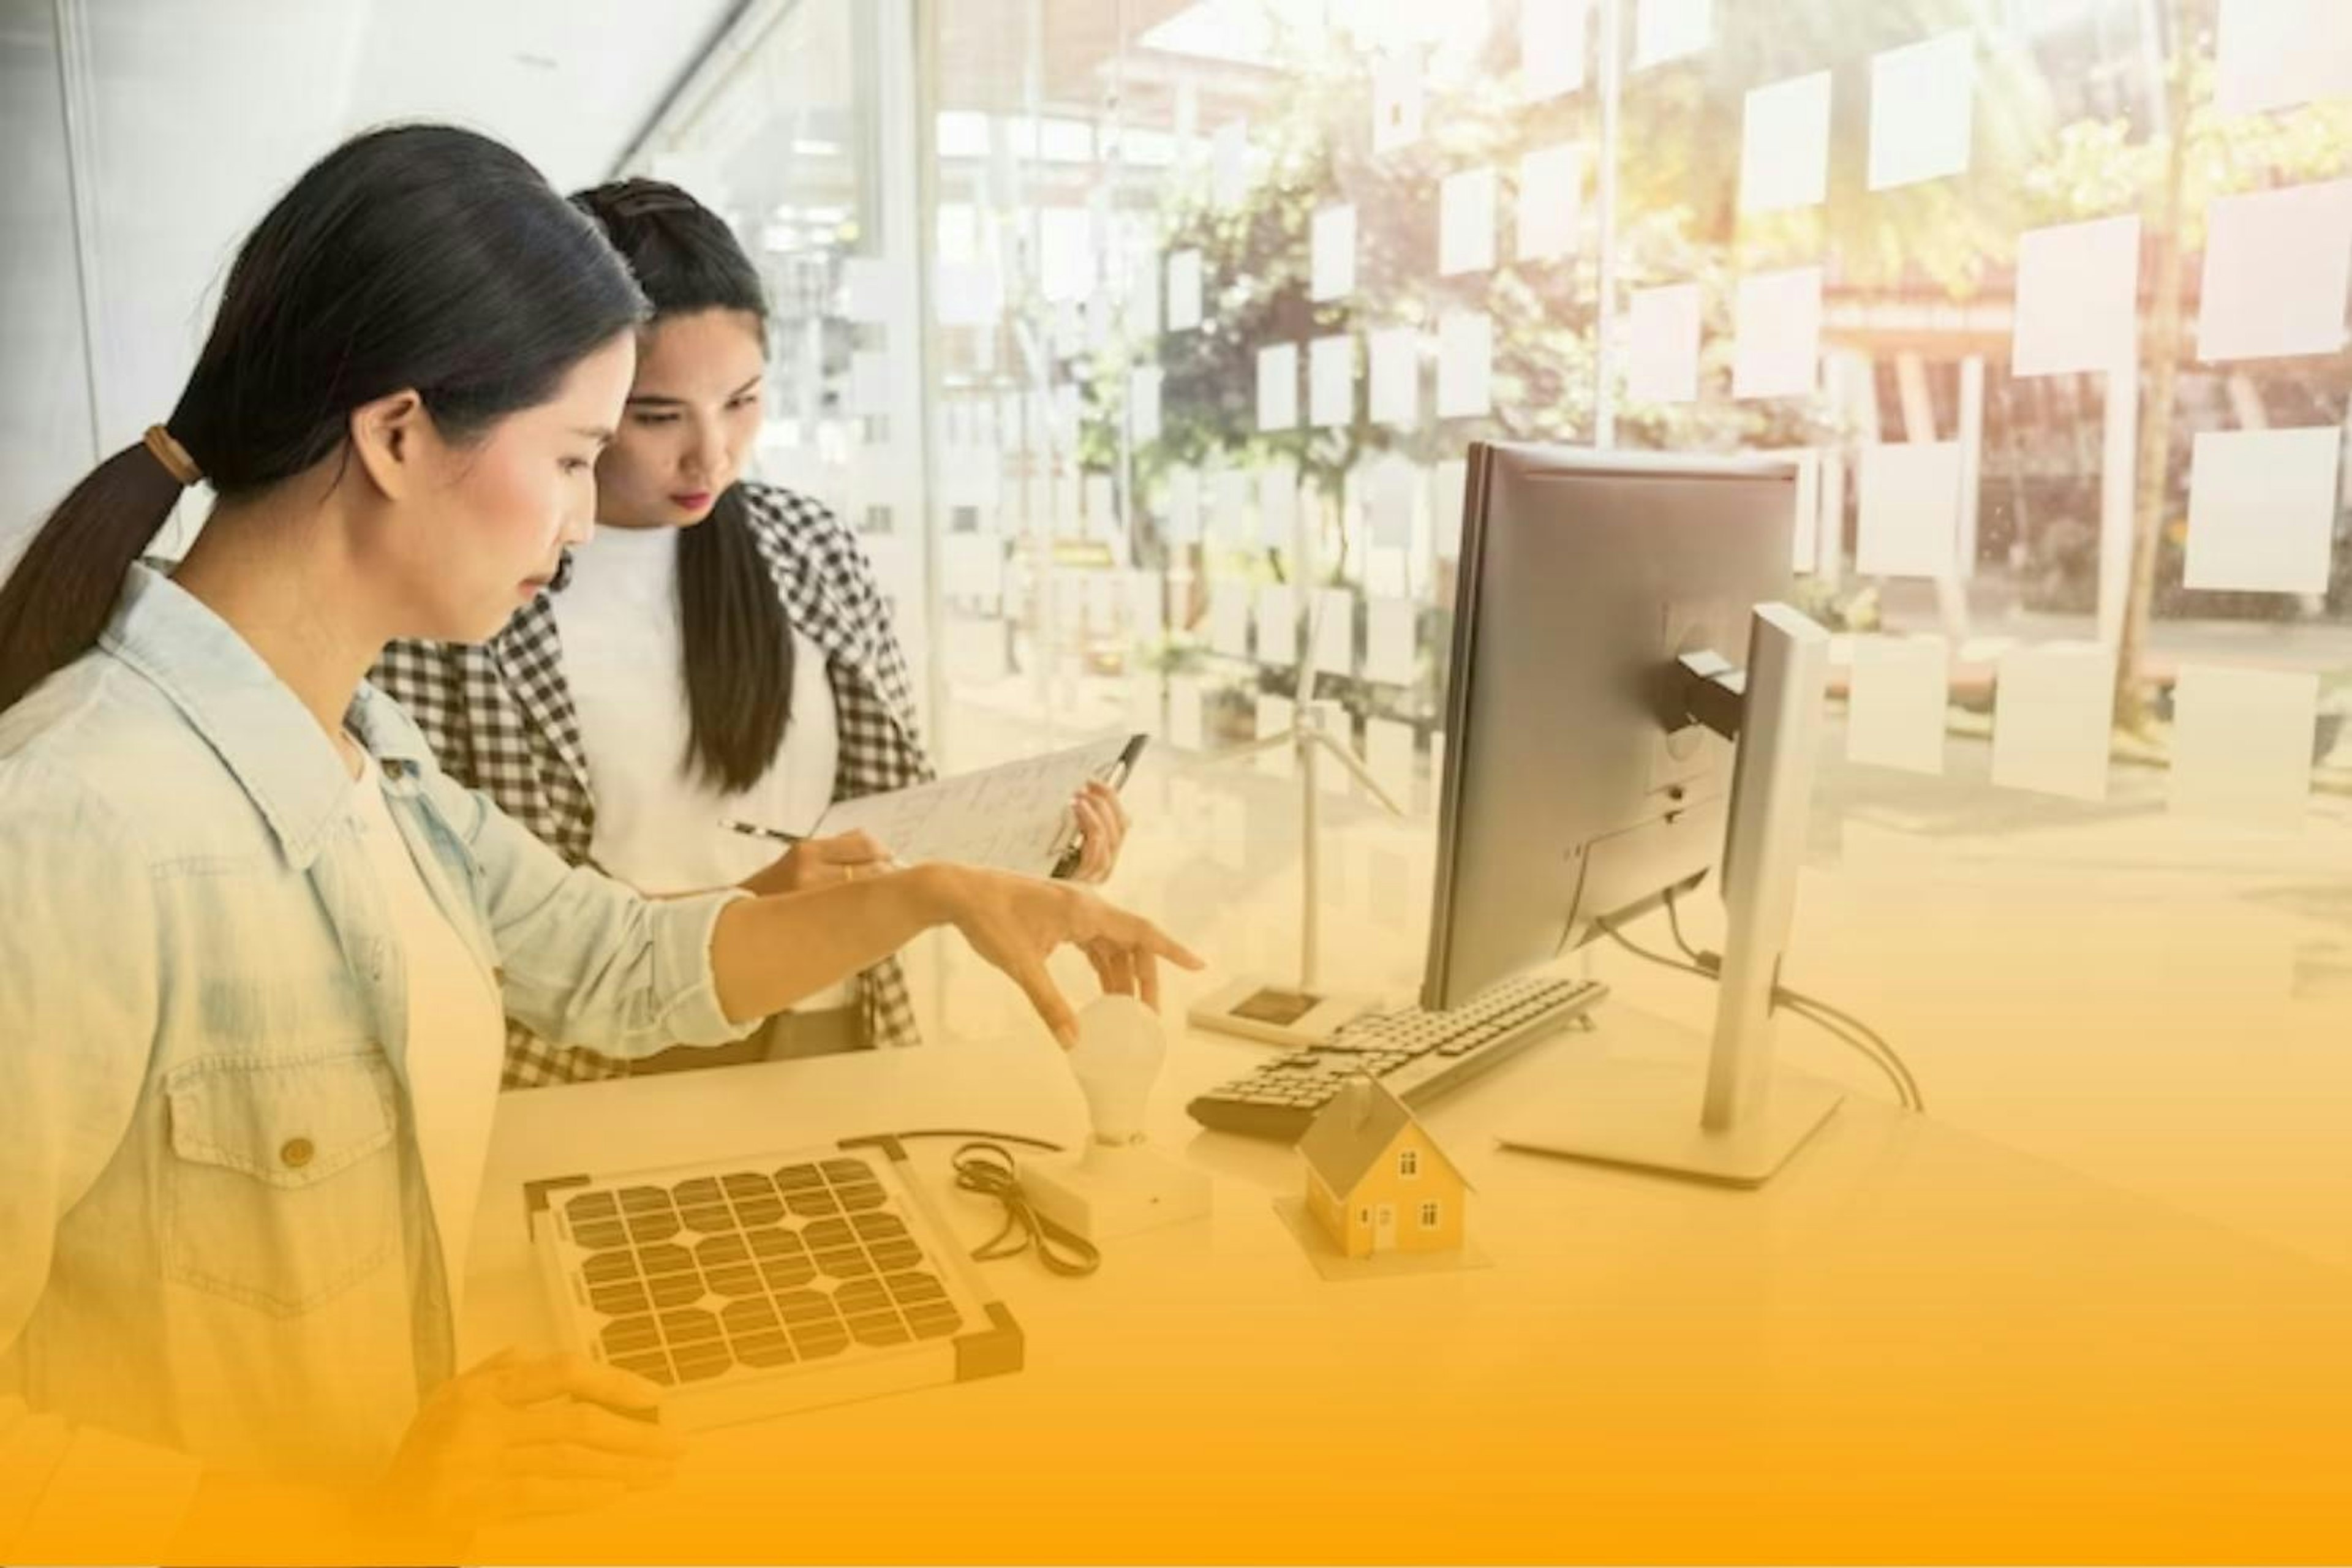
x,y
752,1288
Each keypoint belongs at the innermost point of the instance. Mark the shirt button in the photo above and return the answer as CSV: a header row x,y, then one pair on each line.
x,y
296,1152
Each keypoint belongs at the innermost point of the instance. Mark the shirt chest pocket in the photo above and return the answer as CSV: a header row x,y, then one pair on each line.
x,y
284,1185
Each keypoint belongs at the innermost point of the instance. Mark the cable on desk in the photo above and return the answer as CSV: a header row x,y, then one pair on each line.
x,y
1789,997
987,1169
1858,1036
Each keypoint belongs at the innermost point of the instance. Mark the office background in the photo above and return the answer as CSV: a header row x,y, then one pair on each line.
x,y
1083,306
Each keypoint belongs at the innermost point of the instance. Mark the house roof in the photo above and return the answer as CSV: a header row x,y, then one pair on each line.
x,y
1351,1133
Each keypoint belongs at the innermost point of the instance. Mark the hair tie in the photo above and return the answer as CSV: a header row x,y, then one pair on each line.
x,y
174,457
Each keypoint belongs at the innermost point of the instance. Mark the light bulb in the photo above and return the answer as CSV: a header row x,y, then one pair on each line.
x,y
1116,1062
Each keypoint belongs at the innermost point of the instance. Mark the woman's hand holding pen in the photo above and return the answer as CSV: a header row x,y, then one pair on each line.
x,y
820,863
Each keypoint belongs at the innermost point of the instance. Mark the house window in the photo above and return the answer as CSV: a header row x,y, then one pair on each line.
x,y
1429,1217
1365,1216
1409,1162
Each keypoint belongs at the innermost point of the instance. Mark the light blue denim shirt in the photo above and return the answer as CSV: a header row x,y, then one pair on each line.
x,y
215,1235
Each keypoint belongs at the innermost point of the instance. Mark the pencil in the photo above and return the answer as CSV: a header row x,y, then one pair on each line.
x,y
754,830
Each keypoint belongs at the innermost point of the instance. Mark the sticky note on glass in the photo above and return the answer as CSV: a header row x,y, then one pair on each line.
x,y
1395,482
1466,222
1335,631
1551,47
1465,352
1388,642
1922,110
1551,200
1331,381
1277,387
1895,705
1183,290
2276,264
2077,298
1184,727
1143,404
1180,511
1277,626
1804,531
1661,345
1388,757
1910,509
2242,742
1397,104
1233,489
1277,504
2262,509
1395,377
1448,481
1668,30
1273,718
1229,617
2269,54
1779,354
1229,164
1333,237
2054,717
1784,145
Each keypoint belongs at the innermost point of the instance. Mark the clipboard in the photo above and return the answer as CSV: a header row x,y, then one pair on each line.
x,y
1015,817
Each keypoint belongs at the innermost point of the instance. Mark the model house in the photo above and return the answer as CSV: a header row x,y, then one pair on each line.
x,y
1376,1180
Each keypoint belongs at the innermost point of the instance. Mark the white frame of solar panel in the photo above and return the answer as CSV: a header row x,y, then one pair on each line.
x,y
744,1393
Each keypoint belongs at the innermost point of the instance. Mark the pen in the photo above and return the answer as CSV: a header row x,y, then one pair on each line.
x,y
754,830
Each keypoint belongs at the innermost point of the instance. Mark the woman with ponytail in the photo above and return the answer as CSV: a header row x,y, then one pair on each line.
x,y
719,651
258,944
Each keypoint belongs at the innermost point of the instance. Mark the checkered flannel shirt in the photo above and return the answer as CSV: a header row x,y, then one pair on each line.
x,y
500,718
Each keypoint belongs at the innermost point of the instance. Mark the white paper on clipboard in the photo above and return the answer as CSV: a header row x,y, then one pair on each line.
x,y
1015,817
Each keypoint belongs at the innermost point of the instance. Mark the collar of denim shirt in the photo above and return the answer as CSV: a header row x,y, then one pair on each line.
x,y
264,735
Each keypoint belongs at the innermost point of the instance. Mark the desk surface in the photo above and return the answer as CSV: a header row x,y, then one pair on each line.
x,y
1911,1343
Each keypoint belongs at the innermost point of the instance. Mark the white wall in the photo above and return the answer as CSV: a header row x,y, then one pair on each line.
x,y
202,112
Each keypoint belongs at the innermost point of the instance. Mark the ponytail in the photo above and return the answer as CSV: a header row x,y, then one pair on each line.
x,y
738,647
63,589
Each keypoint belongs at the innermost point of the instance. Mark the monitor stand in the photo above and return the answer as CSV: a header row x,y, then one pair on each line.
x,y
1732,1118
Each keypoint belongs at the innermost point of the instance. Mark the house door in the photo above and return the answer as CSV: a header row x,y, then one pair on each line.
x,y
1384,1228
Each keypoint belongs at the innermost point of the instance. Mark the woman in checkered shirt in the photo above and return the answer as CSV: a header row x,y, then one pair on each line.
x,y
719,651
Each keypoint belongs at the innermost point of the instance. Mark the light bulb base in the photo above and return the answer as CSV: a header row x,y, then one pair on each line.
x,y
1116,1189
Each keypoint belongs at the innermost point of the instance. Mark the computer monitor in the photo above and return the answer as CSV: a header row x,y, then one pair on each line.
x,y
1604,601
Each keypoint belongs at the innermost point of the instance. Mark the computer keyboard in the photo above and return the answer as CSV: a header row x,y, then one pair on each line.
x,y
1418,1054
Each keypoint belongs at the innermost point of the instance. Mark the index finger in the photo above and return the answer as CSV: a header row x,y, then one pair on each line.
x,y
527,1380
1142,935
1047,998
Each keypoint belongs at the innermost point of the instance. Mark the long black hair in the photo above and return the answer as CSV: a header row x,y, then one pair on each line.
x,y
415,256
737,635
